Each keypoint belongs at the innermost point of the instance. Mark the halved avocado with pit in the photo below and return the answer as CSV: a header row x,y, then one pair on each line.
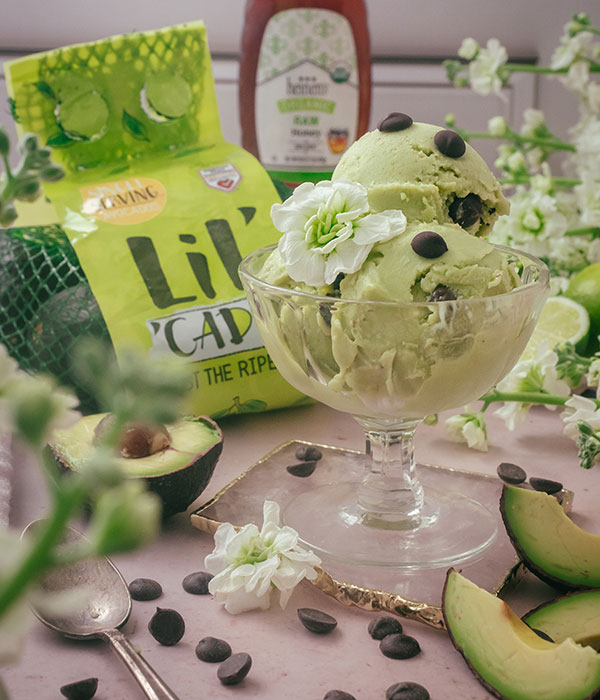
x,y
550,544
575,615
178,473
507,656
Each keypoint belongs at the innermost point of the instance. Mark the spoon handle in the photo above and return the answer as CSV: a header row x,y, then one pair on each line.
x,y
150,682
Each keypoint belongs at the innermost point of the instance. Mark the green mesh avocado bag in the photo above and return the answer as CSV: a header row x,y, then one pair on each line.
x,y
154,215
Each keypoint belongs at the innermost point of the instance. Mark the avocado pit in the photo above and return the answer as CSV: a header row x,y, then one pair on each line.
x,y
176,461
136,439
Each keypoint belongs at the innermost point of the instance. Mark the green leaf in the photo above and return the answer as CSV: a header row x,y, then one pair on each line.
x,y
45,89
12,105
134,127
253,406
59,140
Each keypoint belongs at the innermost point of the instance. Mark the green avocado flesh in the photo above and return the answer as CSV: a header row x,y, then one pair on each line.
x,y
507,656
549,542
189,439
575,615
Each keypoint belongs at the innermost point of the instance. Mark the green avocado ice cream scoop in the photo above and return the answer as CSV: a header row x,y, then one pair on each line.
x,y
428,172
400,357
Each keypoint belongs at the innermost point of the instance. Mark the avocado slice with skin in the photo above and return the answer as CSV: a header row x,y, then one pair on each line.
x,y
507,656
549,543
178,473
575,615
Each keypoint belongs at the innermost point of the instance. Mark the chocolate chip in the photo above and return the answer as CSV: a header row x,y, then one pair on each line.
x,y
309,453
234,669
338,695
213,650
543,635
80,690
428,244
335,285
546,485
317,621
399,646
325,311
449,143
511,473
406,691
197,583
380,627
166,626
442,293
302,469
395,121
145,589
466,211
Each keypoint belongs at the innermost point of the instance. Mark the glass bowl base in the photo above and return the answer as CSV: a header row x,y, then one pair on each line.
x,y
451,529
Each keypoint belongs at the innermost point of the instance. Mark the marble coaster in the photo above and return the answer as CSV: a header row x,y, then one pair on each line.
x,y
415,594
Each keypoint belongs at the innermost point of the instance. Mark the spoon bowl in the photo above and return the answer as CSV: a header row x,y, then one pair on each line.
x,y
101,605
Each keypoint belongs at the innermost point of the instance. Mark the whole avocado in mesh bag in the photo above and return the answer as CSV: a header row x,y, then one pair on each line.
x,y
46,305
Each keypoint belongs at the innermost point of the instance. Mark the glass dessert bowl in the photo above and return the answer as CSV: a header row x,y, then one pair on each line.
x,y
389,365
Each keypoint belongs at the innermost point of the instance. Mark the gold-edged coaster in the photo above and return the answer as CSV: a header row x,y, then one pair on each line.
x,y
415,595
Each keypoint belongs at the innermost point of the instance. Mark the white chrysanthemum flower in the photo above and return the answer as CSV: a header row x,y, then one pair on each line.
x,y
578,77
468,49
469,428
592,376
36,407
532,120
593,252
484,70
535,222
587,195
328,229
572,49
579,409
497,126
538,376
586,139
249,564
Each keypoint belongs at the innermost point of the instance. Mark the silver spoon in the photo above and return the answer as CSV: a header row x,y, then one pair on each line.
x,y
106,608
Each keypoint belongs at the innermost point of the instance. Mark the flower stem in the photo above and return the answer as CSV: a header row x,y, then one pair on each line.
x,y
525,180
41,557
528,68
584,231
556,144
523,397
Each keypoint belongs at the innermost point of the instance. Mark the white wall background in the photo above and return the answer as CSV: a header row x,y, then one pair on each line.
x,y
409,39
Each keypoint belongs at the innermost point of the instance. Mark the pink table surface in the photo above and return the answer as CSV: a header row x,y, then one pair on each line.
x,y
288,661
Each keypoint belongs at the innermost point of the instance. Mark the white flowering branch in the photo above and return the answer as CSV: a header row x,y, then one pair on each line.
x,y
124,514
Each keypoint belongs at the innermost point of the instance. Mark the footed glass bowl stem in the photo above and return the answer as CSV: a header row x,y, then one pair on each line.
x,y
390,492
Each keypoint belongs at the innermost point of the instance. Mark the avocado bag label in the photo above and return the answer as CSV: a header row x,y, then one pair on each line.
x,y
158,207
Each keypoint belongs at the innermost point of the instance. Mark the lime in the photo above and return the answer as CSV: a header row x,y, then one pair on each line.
x,y
584,288
562,321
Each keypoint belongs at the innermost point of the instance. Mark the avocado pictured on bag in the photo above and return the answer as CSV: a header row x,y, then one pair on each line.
x,y
178,469
508,658
550,544
575,615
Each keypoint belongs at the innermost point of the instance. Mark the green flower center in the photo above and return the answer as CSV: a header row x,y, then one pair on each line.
x,y
320,228
533,221
256,550
534,381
